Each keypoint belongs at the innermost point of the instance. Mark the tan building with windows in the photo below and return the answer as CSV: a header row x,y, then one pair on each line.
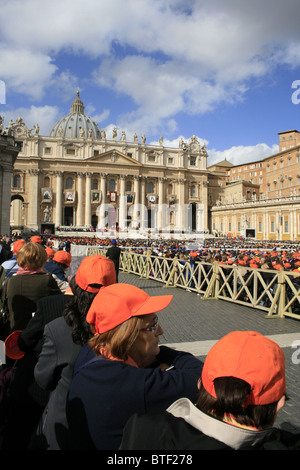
x,y
262,199
76,177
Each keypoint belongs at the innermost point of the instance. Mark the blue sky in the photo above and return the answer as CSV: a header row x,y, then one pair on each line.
x,y
220,69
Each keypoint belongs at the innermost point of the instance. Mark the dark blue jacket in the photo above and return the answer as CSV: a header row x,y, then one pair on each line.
x,y
55,269
104,394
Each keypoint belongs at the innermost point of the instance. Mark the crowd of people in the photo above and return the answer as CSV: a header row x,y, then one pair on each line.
x,y
87,371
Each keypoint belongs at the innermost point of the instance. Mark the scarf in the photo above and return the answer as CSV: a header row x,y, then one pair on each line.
x,y
26,270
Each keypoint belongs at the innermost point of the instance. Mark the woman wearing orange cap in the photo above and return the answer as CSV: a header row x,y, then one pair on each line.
x,y
57,266
11,267
241,389
63,340
28,285
122,370
23,290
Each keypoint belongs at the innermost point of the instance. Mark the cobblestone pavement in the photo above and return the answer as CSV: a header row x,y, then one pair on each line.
x,y
193,324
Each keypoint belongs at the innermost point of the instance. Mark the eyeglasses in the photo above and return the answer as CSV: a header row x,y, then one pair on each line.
x,y
153,327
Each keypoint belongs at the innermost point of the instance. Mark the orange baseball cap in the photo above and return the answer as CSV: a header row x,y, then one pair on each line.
x,y
17,245
63,257
277,266
249,356
119,302
36,239
50,251
12,349
95,271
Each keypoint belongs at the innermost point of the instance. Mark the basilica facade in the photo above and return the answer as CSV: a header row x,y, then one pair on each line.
x,y
76,177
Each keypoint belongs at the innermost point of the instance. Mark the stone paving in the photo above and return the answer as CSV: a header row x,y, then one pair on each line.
x,y
193,324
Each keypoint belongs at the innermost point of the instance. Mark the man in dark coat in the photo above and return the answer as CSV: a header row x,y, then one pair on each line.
x,y
113,253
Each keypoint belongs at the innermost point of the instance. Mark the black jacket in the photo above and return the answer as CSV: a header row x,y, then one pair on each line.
x,y
163,431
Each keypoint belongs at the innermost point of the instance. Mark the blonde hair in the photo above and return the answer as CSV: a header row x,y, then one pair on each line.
x,y
32,256
118,341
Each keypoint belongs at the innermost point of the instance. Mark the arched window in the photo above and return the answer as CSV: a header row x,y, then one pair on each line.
x,y
170,187
17,181
95,184
128,186
193,190
47,182
112,185
150,187
69,183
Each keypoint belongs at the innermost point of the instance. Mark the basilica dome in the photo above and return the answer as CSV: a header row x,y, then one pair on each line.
x,y
76,123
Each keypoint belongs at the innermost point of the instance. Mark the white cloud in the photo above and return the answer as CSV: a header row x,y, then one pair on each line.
x,y
44,116
241,154
167,57
25,71
223,41
65,85
99,118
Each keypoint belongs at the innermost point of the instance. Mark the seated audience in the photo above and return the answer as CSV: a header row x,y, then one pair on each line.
x,y
57,266
30,283
63,339
11,266
5,251
241,390
122,369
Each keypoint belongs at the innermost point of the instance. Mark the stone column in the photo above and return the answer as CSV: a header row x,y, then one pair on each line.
x,y
143,214
160,215
79,218
8,154
265,225
180,212
122,204
34,198
136,189
101,209
293,223
5,192
278,223
59,190
203,218
88,188
103,187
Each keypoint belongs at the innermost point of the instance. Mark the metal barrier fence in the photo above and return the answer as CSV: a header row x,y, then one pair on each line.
x,y
275,292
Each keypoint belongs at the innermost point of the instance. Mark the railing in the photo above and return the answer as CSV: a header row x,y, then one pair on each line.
x,y
275,292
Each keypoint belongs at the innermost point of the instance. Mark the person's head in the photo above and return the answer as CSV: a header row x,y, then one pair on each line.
x,y
124,320
243,378
36,239
31,256
50,252
95,272
63,258
87,276
18,245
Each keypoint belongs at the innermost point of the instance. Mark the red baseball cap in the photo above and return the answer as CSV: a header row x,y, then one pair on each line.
x,y
17,245
117,303
36,239
63,257
97,270
12,349
50,251
249,356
